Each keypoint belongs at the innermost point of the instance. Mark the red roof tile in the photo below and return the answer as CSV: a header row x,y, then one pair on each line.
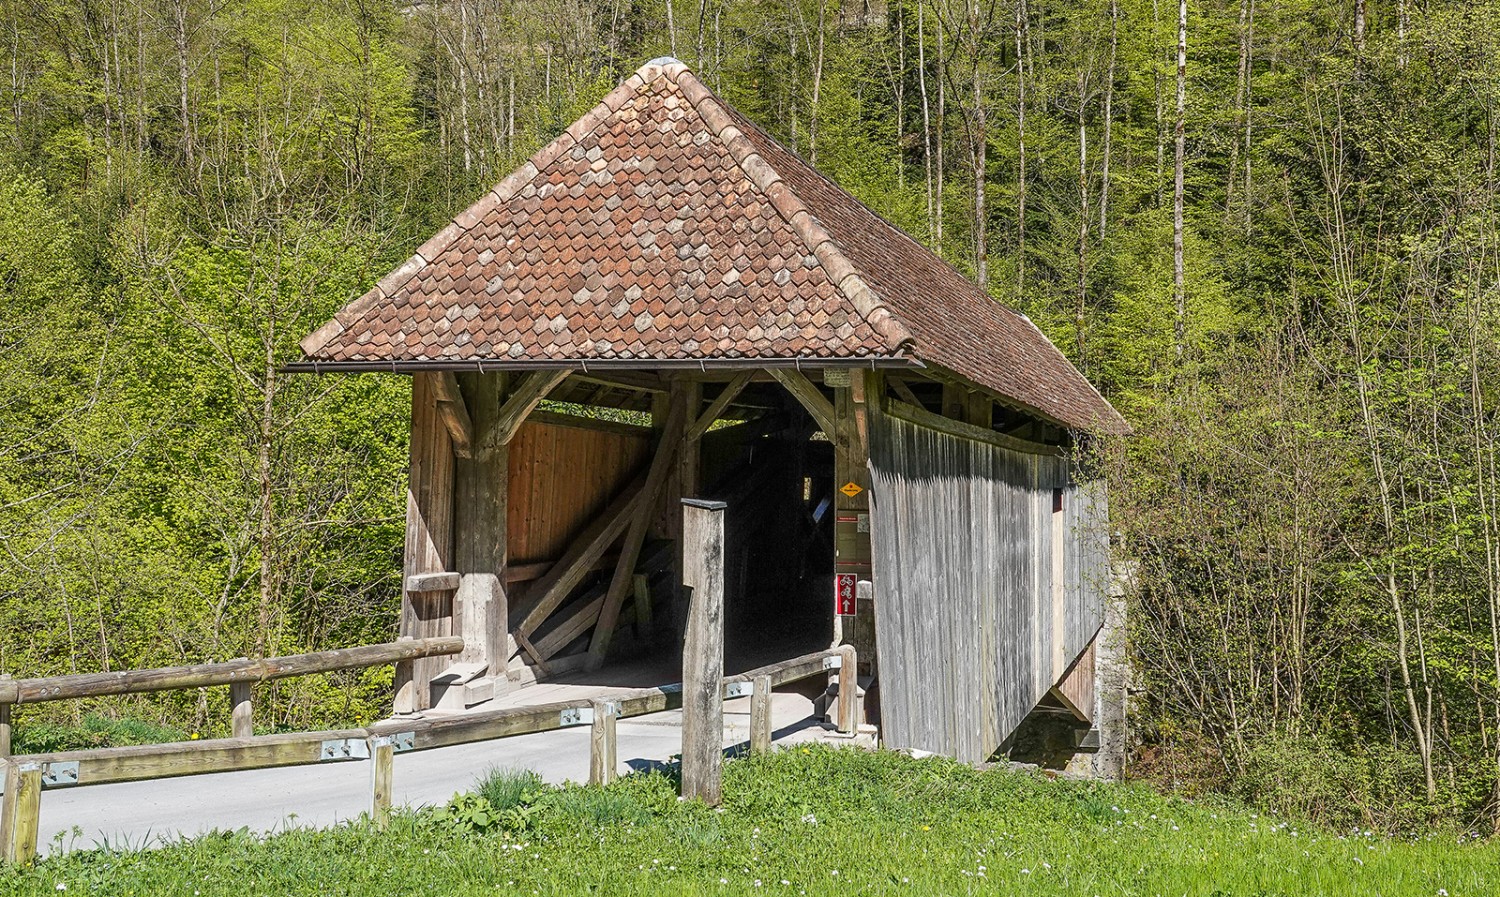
x,y
664,226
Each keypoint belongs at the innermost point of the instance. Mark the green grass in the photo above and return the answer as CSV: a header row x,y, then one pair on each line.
x,y
94,732
818,821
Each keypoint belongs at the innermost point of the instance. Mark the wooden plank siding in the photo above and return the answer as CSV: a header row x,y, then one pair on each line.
x,y
561,477
429,531
968,619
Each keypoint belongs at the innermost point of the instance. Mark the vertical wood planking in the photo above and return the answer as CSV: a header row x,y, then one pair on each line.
x,y
429,533
971,619
703,651
560,477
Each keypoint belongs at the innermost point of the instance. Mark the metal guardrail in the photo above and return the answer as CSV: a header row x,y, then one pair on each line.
x,y
27,776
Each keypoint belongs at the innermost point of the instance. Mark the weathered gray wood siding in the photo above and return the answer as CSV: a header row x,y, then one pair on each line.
x,y
969,628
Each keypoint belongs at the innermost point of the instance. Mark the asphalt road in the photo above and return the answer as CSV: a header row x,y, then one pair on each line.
x,y
147,814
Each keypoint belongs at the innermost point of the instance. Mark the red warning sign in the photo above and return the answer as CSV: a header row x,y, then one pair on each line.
x,y
845,588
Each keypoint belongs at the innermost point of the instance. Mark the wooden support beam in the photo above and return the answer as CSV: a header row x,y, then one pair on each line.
x,y
715,408
522,399
703,651
531,651
20,813
553,588
565,632
760,716
454,412
810,397
637,381
603,750
642,589
904,391
446,581
635,534
480,540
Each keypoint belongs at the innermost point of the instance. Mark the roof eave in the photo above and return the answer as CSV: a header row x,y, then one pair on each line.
x,y
412,366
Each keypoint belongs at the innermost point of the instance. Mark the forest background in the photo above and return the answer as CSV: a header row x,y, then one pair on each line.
x,y
1268,231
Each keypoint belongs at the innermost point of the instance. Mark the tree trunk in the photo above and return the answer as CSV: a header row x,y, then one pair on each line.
x,y
1022,18
1109,104
932,228
1179,288
1080,313
980,140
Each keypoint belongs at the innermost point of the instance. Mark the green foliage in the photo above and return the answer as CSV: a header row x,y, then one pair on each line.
x,y
94,732
851,822
187,190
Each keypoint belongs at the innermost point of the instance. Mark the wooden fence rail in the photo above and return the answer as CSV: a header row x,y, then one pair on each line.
x,y
239,675
26,775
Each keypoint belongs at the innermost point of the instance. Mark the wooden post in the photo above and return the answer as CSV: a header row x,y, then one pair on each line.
x,y
405,702
848,690
479,529
241,710
760,716
703,651
382,770
20,813
5,711
603,753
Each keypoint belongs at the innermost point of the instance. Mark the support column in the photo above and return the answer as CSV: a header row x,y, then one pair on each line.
x,y
480,545
851,528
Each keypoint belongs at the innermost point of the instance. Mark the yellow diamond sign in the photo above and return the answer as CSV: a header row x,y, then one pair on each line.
x,y
851,489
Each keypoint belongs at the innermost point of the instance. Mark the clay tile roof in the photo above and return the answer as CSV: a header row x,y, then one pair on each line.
x,y
664,226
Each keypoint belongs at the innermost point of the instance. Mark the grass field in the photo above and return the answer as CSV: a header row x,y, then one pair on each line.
x,y
803,821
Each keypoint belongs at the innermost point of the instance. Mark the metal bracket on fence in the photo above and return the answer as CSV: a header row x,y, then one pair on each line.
x,y
345,749
576,716
738,689
60,775
833,662
403,741
612,708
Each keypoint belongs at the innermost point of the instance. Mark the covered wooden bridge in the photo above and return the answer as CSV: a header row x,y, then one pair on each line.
x,y
665,303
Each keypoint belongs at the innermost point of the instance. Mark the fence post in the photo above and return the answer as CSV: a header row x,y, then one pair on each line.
x,y
760,716
703,651
5,683
241,710
20,813
405,702
848,690
382,770
603,749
